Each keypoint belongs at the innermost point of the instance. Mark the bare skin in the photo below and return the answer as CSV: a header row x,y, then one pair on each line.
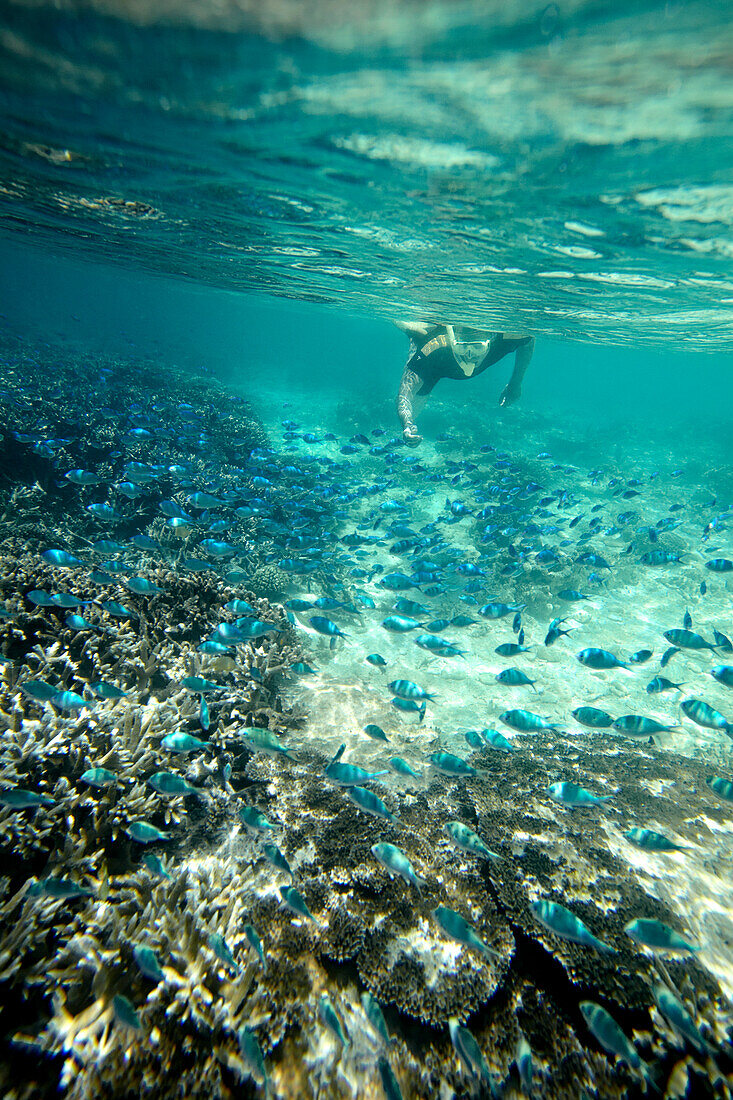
x,y
468,357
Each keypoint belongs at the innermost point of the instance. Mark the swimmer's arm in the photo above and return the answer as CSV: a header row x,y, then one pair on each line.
x,y
513,390
413,328
410,383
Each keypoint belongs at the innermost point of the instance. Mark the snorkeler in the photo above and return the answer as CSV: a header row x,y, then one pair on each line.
x,y
453,351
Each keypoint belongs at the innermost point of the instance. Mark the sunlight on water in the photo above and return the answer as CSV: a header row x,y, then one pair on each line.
x,y
385,161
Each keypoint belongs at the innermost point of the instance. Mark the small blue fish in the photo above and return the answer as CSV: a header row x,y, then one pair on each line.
x,y
651,841
117,610
103,512
349,775
97,576
216,549
328,628
569,794
97,777
125,1012
370,803
254,820
719,565
17,798
592,717
39,598
221,949
375,1016
523,1062
200,685
641,656
687,639
660,557
599,659
571,595
60,889
255,628
637,725
375,732
499,610
145,833
668,655
291,605
605,1029
183,742
702,714
78,622
514,677
204,500
212,647
242,607
723,674
103,690
470,1054
155,865
677,1015
143,542
141,586
396,582
511,649
656,936
496,740
295,903
524,721
167,783
81,477
395,862
276,859
410,706
406,689
259,739
722,787
255,943
459,929
468,841
435,644
327,1012
400,624
661,683
148,963
69,700
60,558
401,767
449,764
252,1056
559,920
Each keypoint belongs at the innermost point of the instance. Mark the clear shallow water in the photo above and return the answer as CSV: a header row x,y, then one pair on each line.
x,y
169,179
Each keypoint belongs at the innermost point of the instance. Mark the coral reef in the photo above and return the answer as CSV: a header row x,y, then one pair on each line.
x,y
380,933
145,937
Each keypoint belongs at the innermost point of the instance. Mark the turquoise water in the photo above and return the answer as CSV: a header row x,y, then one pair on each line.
x,y
209,220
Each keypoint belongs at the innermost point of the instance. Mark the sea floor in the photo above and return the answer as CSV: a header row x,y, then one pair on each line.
x,y
369,932
629,608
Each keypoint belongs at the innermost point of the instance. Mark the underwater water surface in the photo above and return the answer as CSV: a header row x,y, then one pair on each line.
x,y
332,766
